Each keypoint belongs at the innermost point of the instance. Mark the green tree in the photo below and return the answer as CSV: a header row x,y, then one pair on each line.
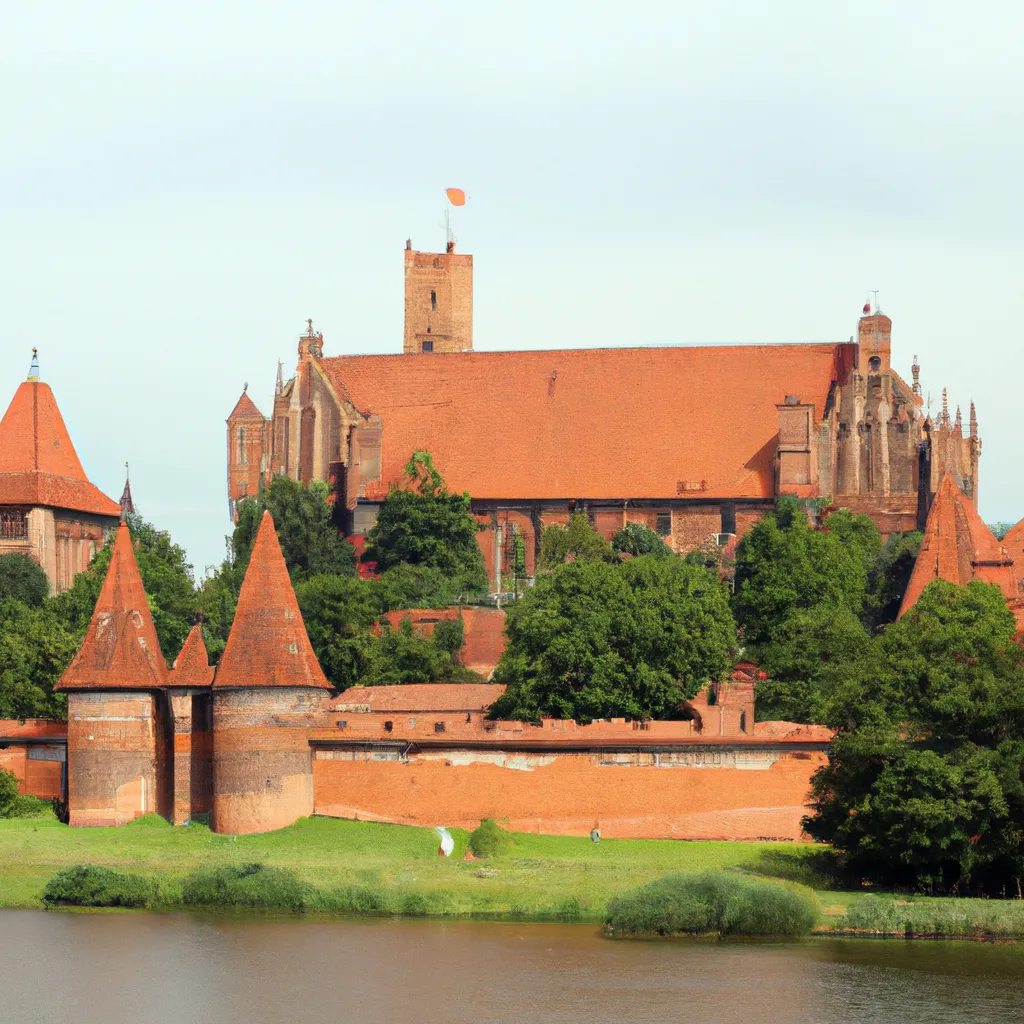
x,y
594,639
402,655
577,541
784,565
891,575
23,579
339,612
924,781
35,649
427,527
634,539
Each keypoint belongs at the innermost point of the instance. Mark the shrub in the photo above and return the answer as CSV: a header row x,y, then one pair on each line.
x,y
25,806
249,885
86,886
488,839
8,789
713,903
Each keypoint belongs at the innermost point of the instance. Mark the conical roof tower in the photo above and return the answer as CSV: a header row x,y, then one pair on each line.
x,y
192,666
268,645
120,650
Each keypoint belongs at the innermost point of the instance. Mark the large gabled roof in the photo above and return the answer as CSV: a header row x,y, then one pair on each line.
x,y
38,462
120,650
591,423
268,645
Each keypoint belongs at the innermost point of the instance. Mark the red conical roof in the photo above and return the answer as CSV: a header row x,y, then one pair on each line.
x,y
192,666
120,650
268,645
38,462
245,409
958,547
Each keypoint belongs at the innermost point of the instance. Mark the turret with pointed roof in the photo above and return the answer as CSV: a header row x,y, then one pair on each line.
x,y
958,547
192,666
48,508
248,450
117,765
267,692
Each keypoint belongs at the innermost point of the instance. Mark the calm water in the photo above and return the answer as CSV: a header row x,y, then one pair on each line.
x,y
109,969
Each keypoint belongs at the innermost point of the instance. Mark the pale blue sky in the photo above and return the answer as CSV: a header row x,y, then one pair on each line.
x,y
182,186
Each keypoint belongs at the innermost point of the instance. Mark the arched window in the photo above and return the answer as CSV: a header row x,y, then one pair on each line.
x,y
242,454
874,364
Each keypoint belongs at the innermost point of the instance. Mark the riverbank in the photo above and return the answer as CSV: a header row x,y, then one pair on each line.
x,y
396,869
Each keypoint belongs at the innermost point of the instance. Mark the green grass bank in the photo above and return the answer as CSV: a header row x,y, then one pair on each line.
x,y
396,869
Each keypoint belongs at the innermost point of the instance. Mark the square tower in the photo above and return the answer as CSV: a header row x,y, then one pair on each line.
x,y
438,301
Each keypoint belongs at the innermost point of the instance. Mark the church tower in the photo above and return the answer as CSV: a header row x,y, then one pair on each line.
x,y
438,301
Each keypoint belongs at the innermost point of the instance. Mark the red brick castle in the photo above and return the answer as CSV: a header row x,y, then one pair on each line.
x,y
695,442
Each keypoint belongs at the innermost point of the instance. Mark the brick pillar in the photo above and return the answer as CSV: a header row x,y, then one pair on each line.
x,y
181,728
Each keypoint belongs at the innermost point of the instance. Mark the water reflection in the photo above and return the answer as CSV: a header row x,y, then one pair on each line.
x,y
150,969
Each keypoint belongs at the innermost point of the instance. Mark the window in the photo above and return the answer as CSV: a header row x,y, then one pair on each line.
x,y
728,518
663,524
242,460
874,364
342,724
428,346
388,726
433,299
439,727
743,721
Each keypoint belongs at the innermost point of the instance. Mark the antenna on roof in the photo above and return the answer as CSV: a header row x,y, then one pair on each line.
x,y
33,370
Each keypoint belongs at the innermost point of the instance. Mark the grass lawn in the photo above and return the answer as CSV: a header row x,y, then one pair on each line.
x,y
539,876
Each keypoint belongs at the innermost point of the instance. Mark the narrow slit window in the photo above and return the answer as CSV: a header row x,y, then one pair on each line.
x,y
433,299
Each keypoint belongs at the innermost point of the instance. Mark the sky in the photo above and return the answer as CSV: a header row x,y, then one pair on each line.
x,y
182,185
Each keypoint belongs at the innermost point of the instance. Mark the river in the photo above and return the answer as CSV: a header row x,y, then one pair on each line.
x,y
177,969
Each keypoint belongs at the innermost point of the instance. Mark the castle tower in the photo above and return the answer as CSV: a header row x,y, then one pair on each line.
x,y
438,301
188,692
48,508
266,693
247,450
117,729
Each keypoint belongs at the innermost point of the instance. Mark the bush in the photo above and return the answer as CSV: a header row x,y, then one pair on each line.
x,y
8,789
86,886
25,806
488,839
713,903
249,885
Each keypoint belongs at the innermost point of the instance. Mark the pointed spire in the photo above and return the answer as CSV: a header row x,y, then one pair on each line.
x,y
127,505
120,650
33,370
268,645
192,666
944,418
915,372
959,419
279,388
973,421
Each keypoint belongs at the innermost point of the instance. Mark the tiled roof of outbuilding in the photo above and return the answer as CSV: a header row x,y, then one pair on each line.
x,y
591,423
192,666
120,650
268,645
38,462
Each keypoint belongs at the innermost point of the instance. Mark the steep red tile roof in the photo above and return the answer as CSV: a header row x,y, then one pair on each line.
x,y
120,650
38,462
1014,544
245,409
268,645
422,697
591,423
958,547
192,666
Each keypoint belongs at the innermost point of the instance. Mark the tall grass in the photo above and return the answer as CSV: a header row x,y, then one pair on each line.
x,y
85,886
947,917
713,903
247,886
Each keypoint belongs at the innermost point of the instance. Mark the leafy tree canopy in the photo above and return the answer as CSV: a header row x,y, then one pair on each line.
x,y
634,539
577,541
594,639
35,648
427,527
23,579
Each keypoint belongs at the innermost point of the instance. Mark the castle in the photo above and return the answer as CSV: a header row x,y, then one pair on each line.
x,y
694,442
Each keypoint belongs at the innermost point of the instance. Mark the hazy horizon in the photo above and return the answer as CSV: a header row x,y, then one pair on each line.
x,y
183,187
